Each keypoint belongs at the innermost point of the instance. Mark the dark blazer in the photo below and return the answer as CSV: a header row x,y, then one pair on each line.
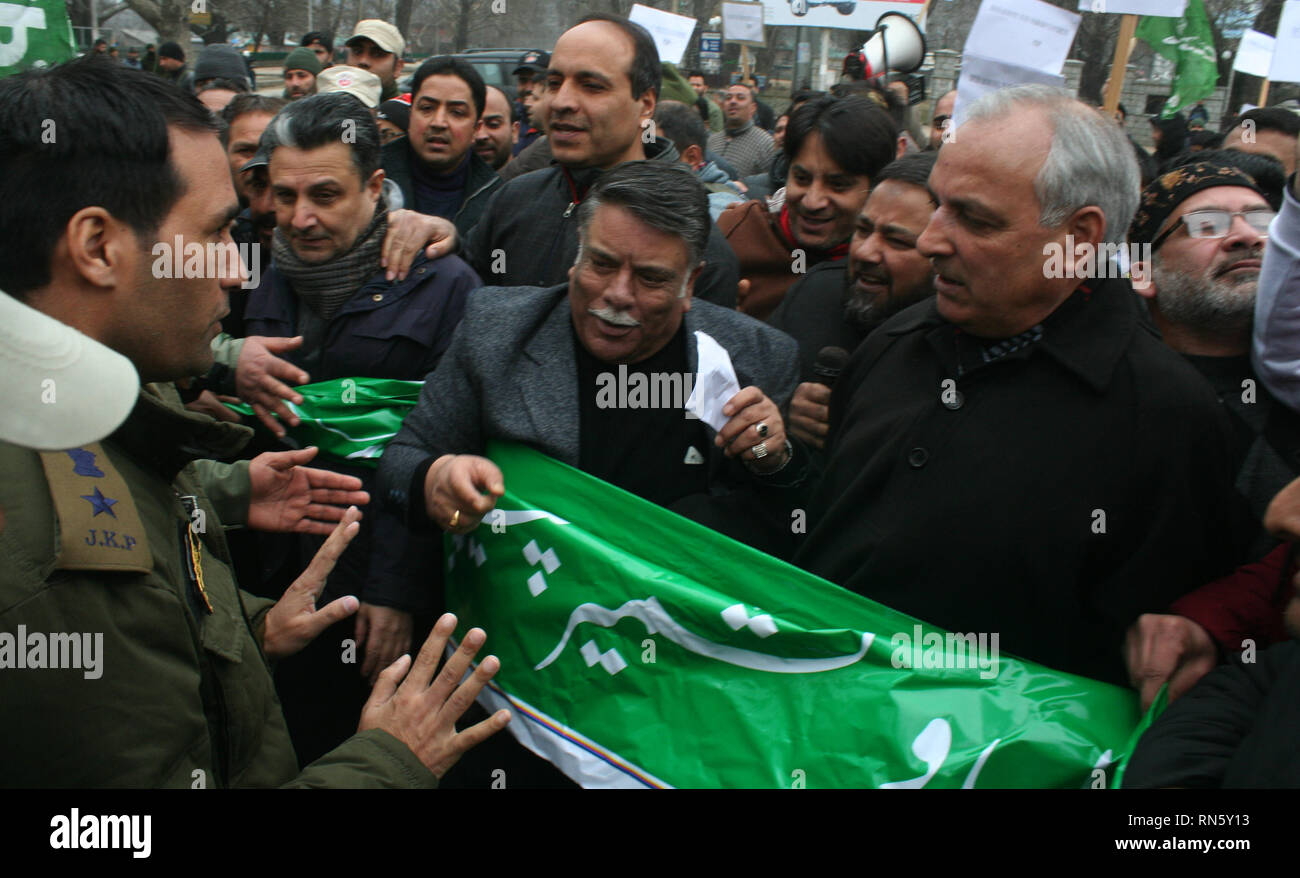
x,y
511,374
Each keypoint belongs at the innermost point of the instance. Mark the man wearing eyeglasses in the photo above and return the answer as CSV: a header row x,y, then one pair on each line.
x,y
1207,225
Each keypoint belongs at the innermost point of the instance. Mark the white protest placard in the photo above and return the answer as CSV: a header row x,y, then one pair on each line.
x,y
839,14
671,32
1036,34
1254,53
1159,8
979,76
1286,51
742,22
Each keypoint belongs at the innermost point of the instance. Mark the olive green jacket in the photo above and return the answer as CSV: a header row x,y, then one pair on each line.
x,y
716,122
163,691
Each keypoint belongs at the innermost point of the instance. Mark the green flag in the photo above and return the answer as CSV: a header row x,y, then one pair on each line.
x,y
1189,43
639,649
351,420
34,32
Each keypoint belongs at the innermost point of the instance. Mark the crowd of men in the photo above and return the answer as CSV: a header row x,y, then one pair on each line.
x,y
1008,377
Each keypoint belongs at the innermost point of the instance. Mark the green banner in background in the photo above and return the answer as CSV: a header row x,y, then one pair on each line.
x,y
33,31
1189,43
351,420
639,649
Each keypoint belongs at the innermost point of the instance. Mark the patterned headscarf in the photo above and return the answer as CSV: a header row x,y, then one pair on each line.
x,y
1161,198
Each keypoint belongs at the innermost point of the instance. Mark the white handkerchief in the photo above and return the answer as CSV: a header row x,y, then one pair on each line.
x,y
715,382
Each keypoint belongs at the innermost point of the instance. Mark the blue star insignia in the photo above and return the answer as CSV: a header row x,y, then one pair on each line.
x,y
100,502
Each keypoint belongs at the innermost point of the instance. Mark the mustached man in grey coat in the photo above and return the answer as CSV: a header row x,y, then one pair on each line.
x,y
550,368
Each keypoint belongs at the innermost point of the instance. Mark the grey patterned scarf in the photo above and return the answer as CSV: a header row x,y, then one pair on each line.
x,y
324,287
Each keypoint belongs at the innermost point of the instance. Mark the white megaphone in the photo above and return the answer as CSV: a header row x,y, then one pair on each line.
x,y
897,47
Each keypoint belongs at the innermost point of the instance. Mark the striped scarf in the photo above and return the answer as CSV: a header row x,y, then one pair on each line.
x,y
1007,346
325,286
991,352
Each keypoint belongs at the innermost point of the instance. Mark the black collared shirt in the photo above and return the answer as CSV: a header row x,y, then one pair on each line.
x,y
634,437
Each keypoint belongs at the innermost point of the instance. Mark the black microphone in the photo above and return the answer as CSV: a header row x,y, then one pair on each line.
x,y
830,363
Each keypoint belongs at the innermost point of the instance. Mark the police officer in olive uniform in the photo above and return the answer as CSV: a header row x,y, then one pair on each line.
x,y
129,656
171,688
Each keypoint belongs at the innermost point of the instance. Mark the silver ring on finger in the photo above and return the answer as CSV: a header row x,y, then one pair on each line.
x,y
762,430
760,451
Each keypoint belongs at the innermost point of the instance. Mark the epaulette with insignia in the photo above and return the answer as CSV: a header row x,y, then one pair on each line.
x,y
99,525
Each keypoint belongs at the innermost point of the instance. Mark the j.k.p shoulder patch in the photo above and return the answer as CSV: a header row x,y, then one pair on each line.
x,y
99,526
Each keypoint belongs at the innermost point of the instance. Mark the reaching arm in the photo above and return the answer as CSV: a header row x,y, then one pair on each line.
x,y
446,420
1275,351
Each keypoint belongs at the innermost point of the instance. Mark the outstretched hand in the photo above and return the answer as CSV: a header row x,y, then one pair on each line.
x,y
288,497
294,621
423,716
264,380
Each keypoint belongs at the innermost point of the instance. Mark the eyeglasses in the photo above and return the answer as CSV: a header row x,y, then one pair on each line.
x,y
1216,223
